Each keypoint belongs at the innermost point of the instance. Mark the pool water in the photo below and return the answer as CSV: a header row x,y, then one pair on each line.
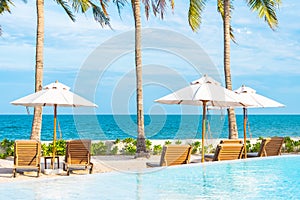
x,y
262,178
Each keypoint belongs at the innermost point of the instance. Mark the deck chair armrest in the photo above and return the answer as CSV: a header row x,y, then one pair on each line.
x,y
68,158
252,155
89,157
149,164
209,157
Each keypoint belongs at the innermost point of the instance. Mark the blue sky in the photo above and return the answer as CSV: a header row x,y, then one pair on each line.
x,y
265,60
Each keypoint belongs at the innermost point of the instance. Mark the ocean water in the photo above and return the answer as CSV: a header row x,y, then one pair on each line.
x,y
111,127
275,177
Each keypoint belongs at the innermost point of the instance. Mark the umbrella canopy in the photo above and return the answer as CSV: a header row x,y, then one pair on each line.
x,y
54,94
205,92
257,101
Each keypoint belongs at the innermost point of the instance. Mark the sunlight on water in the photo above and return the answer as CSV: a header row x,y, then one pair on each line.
x,y
266,178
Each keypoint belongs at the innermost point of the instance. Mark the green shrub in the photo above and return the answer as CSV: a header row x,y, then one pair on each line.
x,y
134,142
130,146
255,147
168,142
60,147
7,148
157,149
248,145
297,146
117,141
148,145
209,149
178,142
99,148
130,149
114,150
128,140
195,147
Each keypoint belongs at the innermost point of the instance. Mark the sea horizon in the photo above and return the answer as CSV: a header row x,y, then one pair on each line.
x,y
171,126
239,114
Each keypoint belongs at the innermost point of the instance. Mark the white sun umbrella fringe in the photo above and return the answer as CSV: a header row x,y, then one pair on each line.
x,y
59,129
213,134
209,133
249,130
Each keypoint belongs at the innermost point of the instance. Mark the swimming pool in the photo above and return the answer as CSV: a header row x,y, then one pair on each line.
x,y
262,178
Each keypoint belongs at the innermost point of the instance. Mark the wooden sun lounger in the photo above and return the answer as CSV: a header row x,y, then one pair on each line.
x,y
27,155
231,141
269,147
227,151
173,155
78,155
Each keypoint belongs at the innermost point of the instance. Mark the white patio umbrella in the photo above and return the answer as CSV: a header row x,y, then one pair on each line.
x,y
54,94
204,92
257,101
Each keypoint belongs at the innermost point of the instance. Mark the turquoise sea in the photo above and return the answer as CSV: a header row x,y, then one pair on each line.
x,y
111,127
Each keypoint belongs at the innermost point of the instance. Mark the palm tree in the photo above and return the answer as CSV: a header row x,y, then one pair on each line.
x,y
100,16
141,145
158,7
266,9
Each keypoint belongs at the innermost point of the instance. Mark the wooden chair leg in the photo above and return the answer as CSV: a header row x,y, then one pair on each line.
x,y
14,172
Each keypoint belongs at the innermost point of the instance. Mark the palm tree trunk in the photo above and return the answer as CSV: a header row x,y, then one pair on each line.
x,y
141,146
38,110
233,134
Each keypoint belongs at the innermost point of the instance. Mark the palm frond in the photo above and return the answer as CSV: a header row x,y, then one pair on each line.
x,y
4,6
231,34
66,7
147,7
154,8
82,5
195,11
158,7
100,16
172,2
161,5
103,6
266,9
120,4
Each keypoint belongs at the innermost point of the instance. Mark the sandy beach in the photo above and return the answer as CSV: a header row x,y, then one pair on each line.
x,y
102,164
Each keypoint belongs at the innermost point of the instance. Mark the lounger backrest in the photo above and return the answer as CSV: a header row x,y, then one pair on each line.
x,y
271,146
228,152
231,141
175,155
27,153
78,151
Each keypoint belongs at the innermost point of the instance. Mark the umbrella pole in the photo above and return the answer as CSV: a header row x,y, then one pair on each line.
x,y
203,128
54,137
245,131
